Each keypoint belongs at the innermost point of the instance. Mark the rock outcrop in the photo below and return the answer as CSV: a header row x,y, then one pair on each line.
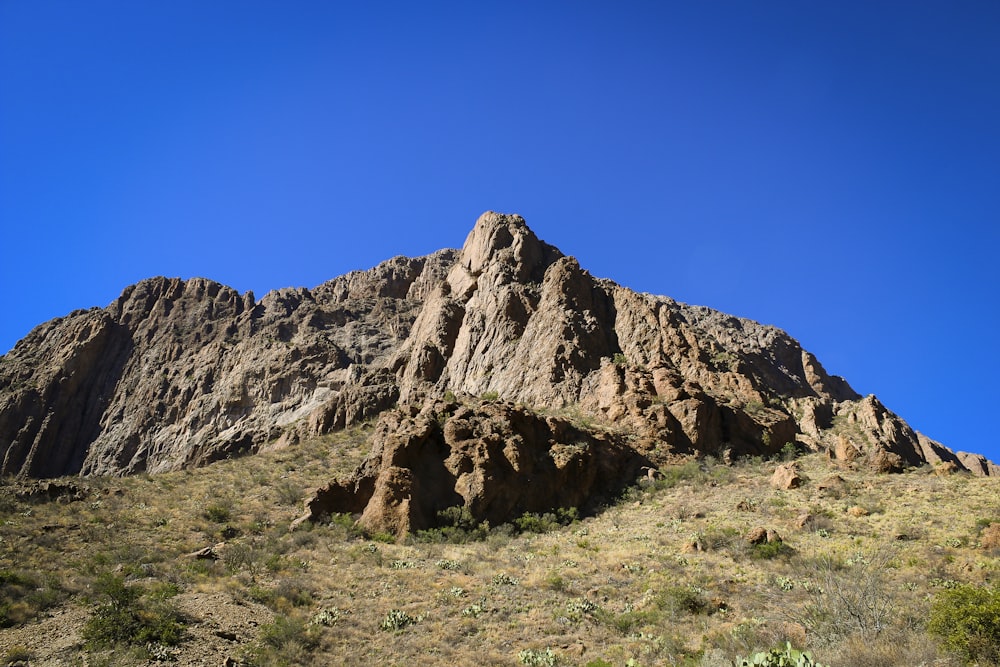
x,y
181,373
493,461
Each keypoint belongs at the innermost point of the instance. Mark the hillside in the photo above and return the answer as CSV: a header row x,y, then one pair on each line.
x,y
665,574
482,456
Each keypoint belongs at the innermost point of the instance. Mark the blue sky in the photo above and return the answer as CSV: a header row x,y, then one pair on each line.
x,y
829,168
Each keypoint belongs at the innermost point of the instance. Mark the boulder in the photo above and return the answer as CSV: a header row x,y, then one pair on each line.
x,y
787,476
762,535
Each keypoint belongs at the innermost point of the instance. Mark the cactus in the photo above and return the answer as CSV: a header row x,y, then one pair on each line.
x,y
779,657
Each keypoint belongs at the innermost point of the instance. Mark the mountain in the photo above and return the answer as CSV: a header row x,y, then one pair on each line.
x,y
177,373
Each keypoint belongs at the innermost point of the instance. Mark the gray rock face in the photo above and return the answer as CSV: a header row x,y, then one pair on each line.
x,y
181,373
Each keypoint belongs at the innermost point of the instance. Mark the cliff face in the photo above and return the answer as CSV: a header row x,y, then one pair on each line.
x,y
180,373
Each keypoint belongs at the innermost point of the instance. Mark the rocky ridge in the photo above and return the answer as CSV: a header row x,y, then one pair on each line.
x,y
181,373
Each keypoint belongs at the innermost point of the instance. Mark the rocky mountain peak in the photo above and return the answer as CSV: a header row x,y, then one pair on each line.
x,y
500,249
179,373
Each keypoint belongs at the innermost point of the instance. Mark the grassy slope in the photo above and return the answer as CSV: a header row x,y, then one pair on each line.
x,y
663,577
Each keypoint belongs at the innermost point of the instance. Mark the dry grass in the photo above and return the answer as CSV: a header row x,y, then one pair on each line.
x,y
664,577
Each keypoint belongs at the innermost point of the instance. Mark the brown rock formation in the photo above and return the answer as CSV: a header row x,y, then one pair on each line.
x,y
495,460
786,477
180,373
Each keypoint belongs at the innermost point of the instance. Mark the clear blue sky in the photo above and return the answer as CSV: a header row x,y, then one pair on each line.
x,y
832,168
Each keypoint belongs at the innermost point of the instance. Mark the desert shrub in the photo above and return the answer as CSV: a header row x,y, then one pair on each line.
x,y
967,618
125,618
288,492
906,648
285,630
217,513
16,654
789,452
989,535
456,525
853,596
671,476
631,622
530,522
239,556
687,599
769,550
294,592
284,641
23,596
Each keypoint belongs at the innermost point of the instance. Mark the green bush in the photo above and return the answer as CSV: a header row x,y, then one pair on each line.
x,y
284,631
769,550
284,641
687,599
23,595
671,476
217,513
967,618
125,618
530,522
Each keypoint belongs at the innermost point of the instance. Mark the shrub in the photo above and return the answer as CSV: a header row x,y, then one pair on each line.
x,y
968,619
671,476
530,522
124,618
852,596
285,630
23,596
687,599
455,525
288,492
769,550
217,513
789,452
18,653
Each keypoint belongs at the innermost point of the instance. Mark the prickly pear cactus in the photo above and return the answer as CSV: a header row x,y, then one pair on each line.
x,y
779,657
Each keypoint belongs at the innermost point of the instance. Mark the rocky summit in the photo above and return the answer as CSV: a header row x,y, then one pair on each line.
x,y
603,381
